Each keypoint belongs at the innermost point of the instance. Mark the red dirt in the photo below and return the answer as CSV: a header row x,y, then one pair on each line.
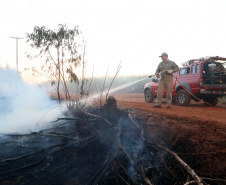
x,y
195,111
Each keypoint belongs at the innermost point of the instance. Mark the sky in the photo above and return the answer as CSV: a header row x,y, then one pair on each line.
x,y
135,32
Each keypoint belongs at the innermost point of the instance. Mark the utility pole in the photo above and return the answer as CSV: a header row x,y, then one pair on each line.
x,y
17,38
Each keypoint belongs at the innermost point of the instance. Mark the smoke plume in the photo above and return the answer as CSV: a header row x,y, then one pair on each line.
x,y
23,105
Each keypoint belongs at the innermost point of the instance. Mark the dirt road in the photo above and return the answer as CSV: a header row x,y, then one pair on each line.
x,y
195,111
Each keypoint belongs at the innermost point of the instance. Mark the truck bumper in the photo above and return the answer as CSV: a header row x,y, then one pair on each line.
x,y
216,92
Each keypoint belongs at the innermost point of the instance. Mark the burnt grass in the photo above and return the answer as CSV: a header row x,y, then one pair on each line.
x,y
90,151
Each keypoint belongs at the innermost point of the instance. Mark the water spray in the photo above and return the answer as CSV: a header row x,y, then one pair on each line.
x,y
115,89
126,85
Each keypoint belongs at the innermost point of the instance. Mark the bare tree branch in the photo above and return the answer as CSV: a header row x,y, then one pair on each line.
x,y
103,86
118,69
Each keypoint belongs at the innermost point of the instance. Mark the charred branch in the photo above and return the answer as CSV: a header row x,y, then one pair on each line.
x,y
95,116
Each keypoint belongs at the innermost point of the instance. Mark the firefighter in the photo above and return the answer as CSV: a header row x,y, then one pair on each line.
x,y
165,71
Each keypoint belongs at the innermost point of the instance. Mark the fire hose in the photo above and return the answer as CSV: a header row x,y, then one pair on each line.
x,y
211,107
191,93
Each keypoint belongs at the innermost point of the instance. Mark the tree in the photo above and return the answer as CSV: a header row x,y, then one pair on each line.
x,y
62,55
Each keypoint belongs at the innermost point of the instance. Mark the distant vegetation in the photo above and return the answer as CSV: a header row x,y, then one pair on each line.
x,y
97,84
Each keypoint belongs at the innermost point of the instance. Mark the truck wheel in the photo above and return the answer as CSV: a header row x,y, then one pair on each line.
x,y
149,96
211,100
183,98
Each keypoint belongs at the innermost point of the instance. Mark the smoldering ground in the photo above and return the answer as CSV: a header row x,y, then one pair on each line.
x,y
85,151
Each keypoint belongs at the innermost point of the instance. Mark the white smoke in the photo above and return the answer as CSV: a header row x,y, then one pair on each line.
x,y
23,105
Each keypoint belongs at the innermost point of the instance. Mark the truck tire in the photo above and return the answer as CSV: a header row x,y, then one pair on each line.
x,y
149,96
183,98
211,100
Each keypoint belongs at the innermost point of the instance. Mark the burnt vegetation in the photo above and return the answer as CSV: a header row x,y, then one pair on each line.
x,y
96,145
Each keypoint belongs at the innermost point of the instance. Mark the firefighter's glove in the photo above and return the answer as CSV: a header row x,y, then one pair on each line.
x,y
157,75
170,71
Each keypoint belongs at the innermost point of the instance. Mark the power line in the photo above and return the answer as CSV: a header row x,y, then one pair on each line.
x,y
28,18
29,8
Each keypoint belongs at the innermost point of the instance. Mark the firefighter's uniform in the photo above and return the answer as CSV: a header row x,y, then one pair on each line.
x,y
166,81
